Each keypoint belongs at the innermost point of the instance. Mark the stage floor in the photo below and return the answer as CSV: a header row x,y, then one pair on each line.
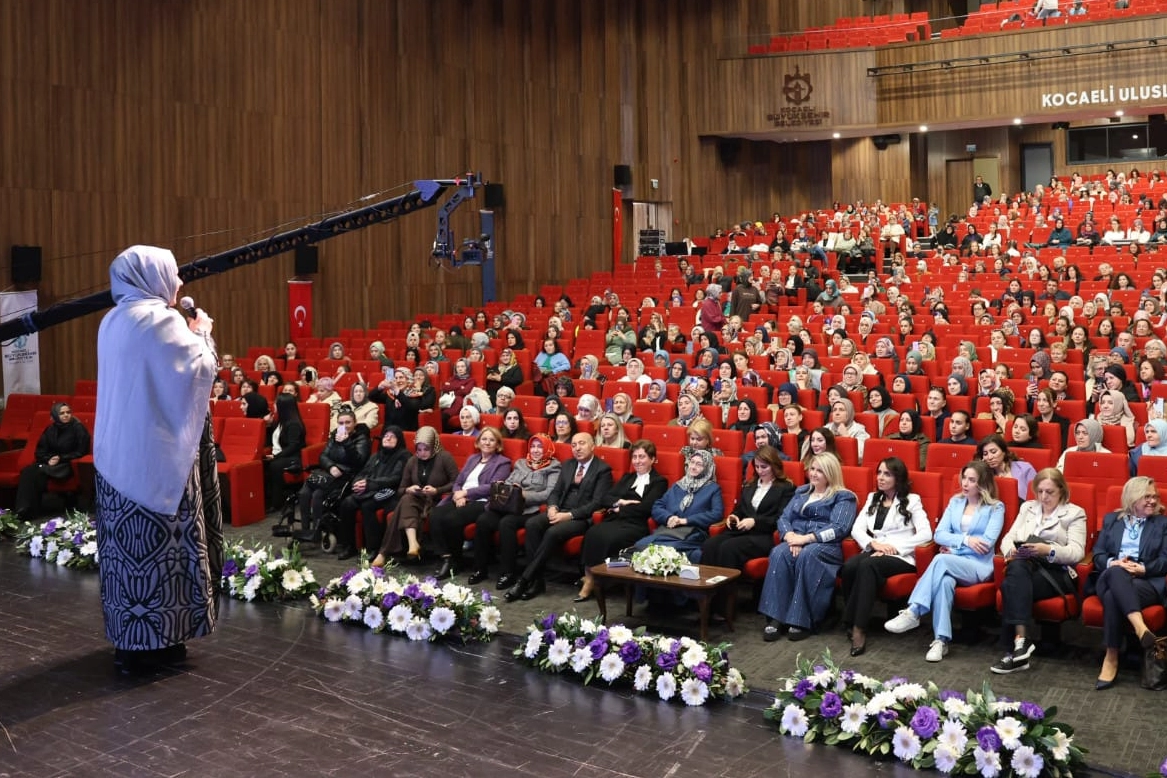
x,y
276,691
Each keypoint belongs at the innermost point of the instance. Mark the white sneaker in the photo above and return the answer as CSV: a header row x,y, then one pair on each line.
x,y
936,651
905,621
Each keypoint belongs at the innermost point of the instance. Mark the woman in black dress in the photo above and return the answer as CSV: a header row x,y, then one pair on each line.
x,y
749,530
288,441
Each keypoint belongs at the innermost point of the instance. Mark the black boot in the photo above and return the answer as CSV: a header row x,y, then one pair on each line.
x,y
517,591
448,568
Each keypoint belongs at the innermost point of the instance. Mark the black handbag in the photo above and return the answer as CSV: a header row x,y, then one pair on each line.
x,y
1047,570
506,498
59,471
1155,666
319,479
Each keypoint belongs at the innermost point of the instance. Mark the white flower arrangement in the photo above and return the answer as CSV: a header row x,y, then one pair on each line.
x,y
257,574
667,667
658,560
924,727
420,609
67,541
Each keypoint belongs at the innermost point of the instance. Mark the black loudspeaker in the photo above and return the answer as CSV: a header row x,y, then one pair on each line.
x,y
622,176
493,196
307,260
26,264
729,150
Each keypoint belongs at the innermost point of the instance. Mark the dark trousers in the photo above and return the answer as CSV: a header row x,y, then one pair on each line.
x,y
29,491
863,576
367,506
508,542
488,523
448,522
1122,594
273,478
734,549
609,537
1022,586
545,538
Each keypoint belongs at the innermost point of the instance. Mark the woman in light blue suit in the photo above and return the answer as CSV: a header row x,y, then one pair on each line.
x,y
800,581
967,535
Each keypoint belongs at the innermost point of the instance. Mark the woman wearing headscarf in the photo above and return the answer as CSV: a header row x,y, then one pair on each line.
x,y
1113,408
911,427
678,372
428,475
255,405
1087,438
367,413
688,411
631,501
885,349
458,385
536,475
403,399
745,417
688,509
508,372
843,424
725,399
63,441
879,403
657,391
159,538
374,488
287,442
1156,445
377,352
963,367
336,352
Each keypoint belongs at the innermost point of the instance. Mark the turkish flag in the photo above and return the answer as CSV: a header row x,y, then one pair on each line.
x,y
299,309
617,228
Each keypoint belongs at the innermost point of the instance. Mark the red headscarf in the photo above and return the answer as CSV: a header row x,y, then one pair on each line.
x,y
548,451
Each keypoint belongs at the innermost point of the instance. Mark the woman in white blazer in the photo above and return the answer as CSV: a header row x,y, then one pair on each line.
x,y
889,529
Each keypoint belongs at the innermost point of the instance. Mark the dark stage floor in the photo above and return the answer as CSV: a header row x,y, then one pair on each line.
x,y
277,691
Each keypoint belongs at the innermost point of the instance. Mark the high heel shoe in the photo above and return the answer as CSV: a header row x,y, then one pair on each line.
x,y
1101,685
447,569
859,650
413,557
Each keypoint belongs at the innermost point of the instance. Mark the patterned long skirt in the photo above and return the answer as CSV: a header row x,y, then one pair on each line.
x,y
160,575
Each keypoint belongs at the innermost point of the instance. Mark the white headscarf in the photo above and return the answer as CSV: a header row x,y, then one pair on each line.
x,y
154,377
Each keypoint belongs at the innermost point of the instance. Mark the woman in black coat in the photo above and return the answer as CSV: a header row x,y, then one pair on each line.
x,y
749,530
62,441
373,488
631,500
404,396
344,455
288,441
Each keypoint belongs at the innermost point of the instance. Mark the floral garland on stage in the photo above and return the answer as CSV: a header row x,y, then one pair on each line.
x,y
10,523
257,574
68,541
685,668
658,560
971,733
418,609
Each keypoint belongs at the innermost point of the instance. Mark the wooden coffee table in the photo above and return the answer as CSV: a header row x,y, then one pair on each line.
x,y
701,589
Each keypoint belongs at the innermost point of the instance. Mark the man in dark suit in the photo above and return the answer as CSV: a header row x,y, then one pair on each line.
x,y
581,490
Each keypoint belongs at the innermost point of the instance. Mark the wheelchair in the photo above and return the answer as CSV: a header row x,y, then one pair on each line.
x,y
326,532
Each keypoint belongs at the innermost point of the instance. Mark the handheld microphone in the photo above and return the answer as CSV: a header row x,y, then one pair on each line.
x,y
187,306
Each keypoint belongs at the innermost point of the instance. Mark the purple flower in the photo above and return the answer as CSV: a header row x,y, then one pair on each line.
x,y
831,706
429,579
413,591
703,672
598,648
804,687
887,719
579,643
548,621
251,570
602,634
230,569
389,600
666,661
1032,711
549,636
1163,768
676,647
427,602
630,652
847,676
926,721
898,680
486,598
50,527
320,593
988,739
344,579
378,572
951,694
78,538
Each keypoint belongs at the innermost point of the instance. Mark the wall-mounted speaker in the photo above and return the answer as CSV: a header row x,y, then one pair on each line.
x,y
622,176
26,264
493,196
307,260
883,141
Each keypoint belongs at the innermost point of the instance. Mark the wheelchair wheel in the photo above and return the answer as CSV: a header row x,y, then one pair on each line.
x,y
328,539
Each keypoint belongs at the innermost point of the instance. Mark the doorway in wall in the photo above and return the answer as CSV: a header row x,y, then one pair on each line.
x,y
1037,164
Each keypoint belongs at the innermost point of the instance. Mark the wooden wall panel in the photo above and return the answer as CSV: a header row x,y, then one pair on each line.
x,y
860,171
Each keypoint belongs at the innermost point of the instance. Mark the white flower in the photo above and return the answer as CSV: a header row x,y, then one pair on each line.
x,y
308,576
642,678
694,692
374,618
822,679
353,606
581,659
252,586
1010,731
380,588
945,758
988,762
953,736
429,589
1026,762
735,685
489,619
51,549
292,580
693,656
794,721
534,643
418,629
666,686
619,634
881,701
89,549
664,645
854,716
1061,750
611,667
1006,706
866,681
441,619
276,564
588,627
257,559
399,617
456,595
910,691
905,743
36,546
559,652
63,557
956,708
359,582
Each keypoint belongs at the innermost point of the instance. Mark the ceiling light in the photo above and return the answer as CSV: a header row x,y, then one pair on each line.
x,y
923,128
1017,120
836,135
